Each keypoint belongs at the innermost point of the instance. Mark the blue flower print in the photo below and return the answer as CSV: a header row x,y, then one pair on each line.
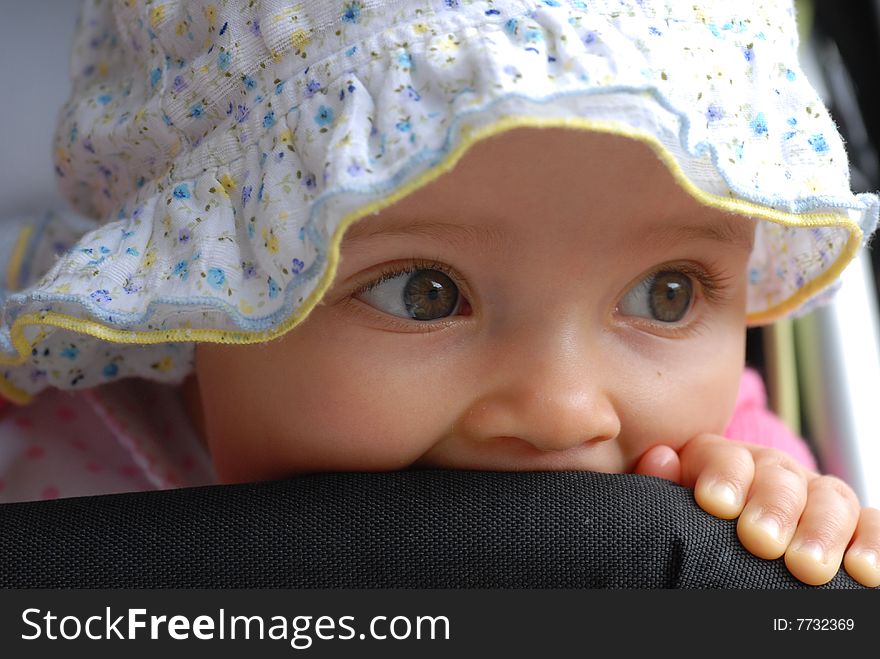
x,y
178,84
255,27
759,124
269,119
131,251
533,36
101,296
413,94
70,352
818,143
297,266
241,113
249,83
216,278
197,110
223,60
453,4
181,191
404,60
248,269
104,99
110,370
404,126
273,289
324,116
714,113
246,194
789,75
312,88
352,13
181,270
183,235
155,76
749,53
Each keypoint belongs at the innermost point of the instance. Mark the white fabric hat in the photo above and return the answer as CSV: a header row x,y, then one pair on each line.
x,y
223,147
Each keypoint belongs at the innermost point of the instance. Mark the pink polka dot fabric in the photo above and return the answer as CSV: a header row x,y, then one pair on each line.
x,y
131,436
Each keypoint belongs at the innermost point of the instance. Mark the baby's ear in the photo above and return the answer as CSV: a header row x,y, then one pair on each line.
x,y
660,461
192,403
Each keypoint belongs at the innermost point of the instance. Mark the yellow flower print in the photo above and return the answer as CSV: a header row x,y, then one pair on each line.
x,y
149,258
286,136
210,12
164,365
299,40
270,240
157,15
229,184
245,307
420,28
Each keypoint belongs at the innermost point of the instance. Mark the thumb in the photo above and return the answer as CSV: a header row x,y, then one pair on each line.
x,y
660,461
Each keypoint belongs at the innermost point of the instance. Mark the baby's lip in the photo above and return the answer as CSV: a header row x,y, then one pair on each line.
x,y
516,454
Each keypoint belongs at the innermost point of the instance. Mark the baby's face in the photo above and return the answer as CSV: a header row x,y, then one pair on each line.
x,y
556,302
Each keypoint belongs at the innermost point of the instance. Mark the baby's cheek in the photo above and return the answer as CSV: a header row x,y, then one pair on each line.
x,y
688,403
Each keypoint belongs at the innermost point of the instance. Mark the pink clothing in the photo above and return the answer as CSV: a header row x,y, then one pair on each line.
x,y
752,422
134,435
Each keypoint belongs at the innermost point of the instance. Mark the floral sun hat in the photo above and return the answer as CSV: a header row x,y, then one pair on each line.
x,y
222,147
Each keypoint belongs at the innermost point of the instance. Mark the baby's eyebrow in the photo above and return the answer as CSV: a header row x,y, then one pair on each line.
x,y
738,232
457,236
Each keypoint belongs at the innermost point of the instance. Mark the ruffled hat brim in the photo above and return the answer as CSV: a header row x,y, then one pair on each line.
x,y
228,216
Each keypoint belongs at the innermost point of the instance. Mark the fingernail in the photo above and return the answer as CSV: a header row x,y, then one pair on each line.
x,y
724,493
812,549
870,557
771,527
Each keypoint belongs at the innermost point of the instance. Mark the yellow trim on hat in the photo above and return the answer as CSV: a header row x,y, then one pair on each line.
x,y
467,138
17,257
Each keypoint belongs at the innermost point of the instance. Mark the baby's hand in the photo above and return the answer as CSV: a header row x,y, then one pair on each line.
x,y
783,508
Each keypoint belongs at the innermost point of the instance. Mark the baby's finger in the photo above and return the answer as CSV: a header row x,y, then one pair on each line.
x,y
660,461
775,503
824,531
862,559
720,471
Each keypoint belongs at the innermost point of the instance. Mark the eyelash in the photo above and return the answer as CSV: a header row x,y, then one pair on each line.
x,y
392,271
400,268
713,287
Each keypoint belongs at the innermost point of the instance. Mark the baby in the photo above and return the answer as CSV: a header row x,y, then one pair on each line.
x,y
496,235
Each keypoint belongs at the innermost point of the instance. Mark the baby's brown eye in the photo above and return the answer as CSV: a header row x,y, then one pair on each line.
x,y
665,296
420,294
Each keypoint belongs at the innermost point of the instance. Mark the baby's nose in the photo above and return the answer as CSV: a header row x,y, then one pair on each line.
x,y
551,399
547,421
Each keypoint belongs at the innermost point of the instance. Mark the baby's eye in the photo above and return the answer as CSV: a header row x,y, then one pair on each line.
x,y
419,294
664,296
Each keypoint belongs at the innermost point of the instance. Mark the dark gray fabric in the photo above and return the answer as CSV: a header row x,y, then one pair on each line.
x,y
413,529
